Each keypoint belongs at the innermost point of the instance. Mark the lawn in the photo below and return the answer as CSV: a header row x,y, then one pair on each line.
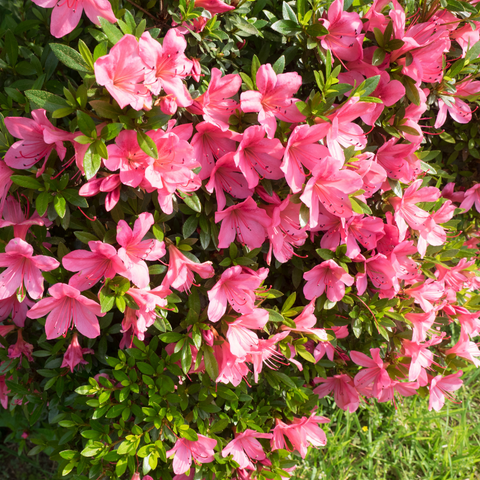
x,y
378,442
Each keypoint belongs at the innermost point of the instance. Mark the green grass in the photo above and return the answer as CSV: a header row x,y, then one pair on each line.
x,y
380,443
375,443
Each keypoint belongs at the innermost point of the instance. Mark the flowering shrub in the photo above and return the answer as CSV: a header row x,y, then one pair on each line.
x,y
220,221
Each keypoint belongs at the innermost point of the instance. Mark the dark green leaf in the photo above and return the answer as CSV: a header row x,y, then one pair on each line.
x,y
286,27
147,144
26,182
316,30
70,57
46,100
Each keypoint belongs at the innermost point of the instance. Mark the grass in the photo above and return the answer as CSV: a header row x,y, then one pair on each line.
x,y
378,442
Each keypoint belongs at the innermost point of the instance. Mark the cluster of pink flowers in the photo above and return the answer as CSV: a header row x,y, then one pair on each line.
x,y
387,253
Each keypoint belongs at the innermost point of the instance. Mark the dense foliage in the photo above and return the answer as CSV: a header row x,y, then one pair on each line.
x,y
221,221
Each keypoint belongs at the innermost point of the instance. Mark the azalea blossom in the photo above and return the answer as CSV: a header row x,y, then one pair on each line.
x,y
13,216
239,334
21,348
67,305
245,447
439,386
201,450
465,348
74,354
374,378
345,394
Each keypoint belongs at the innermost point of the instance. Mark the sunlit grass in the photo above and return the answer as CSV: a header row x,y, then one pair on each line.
x,y
380,442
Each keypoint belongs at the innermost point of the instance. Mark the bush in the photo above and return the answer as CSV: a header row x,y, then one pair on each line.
x,y
214,214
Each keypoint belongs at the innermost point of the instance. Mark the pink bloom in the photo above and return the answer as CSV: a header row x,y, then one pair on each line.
x,y
274,98
237,287
245,447
405,267
448,192
364,230
201,450
330,187
74,354
244,220
135,251
67,304
468,320
102,261
231,369
458,110
166,65
227,177
406,211
214,6
23,269
216,104
372,173
399,160
303,150
5,183
344,391
180,270
66,15
18,310
327,276
239,334
427,292
465,348
381,272
127,156
211,143
472,196
21,348
374,378
258,156
422,322
122,72
110,184
344,38
4,391
39,138
439,387
405,389
13,216
420,355
306,321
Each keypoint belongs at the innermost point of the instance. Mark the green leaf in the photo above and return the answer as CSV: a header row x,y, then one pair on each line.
x,y
91,163
247,80
186,358
46,100
112,32
411,90
26,182
11,47
473,52
147,144
304,215
111,131
85,124
189,226
378,57
70,57
396,187
316,30
71,196
189,434
288,13
211,365
145,368
170,337
255,66
60,205
105,109
369,85
85,237
192,200
279,65
286,27
86,54
42,201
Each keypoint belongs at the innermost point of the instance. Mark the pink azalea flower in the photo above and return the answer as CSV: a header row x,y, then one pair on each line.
x,y
420,355
166,65
14,217
245,221
306,321
231,369
426,293
439,387
405,389
134,251
216,104
66,15
110,184
74,354
211,143
5,183
23,268
214,6
327,276
303,150
225,176
405,267
21,348
381,272
258,156
65,305
237,287
374,378
39,138
245,447
399,160
344,38
127,156
274,98
449,193
4,391
344,391
330,187
457,108
239,333
468,320
201,450
406,211
17,310
180,270
422,323
102,261
122,73
465,348
472,196
364,230
372,173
